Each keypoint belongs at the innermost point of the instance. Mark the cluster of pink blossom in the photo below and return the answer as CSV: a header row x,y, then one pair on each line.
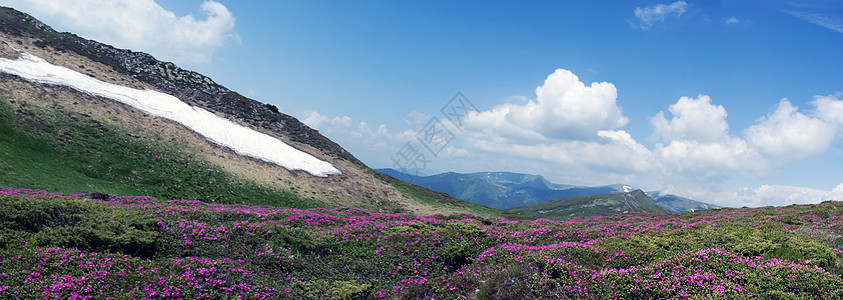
x,y
233,250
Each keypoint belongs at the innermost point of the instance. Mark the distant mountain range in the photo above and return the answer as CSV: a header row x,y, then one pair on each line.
x,y
592,205
506,190
673,204
501,190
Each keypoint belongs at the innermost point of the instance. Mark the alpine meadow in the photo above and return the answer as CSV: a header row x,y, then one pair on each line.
x,y
125,175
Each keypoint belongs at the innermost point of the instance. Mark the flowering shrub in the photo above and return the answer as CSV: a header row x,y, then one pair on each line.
x,y
193,249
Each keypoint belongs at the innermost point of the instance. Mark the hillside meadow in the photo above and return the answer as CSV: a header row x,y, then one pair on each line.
x,y
97,246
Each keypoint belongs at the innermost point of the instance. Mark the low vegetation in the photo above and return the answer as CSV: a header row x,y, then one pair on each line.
x,y
73,246
62,152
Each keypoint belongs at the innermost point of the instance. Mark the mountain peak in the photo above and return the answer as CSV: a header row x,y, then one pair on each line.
x,y
591,205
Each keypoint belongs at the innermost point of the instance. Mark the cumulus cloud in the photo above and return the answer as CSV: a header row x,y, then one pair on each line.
x,y
564,108
788,134
140,25
695,142
830,108
570,127
615,155
755,196
835,194
320,122
693,119
710,161
574,128
776,195
649,16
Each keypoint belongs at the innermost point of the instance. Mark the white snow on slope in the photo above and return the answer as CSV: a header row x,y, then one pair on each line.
x,y
241,139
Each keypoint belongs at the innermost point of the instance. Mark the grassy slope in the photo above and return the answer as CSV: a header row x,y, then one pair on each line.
x,y
66,152
591,205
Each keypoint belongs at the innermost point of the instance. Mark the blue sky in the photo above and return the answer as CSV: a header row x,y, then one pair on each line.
x,y
731,102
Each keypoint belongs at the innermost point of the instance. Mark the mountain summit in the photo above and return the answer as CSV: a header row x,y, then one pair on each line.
x,y
592,205
79,115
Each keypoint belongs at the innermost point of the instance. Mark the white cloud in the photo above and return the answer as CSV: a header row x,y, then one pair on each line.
x,y
698,144
763,195
320,122
710,161
371,144
693,119
830,108
616,152
835,194
735,21
140,25
565,108
649,16
416,119
825,20
776,195
790,135
570,129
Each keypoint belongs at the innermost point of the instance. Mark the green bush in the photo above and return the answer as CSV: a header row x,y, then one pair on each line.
x,y
325,289
79,223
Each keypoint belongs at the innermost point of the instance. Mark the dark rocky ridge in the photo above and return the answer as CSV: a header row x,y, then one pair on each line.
x,y
191,87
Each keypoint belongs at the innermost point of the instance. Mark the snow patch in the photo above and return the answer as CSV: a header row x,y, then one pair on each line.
x,y
627,189
241,139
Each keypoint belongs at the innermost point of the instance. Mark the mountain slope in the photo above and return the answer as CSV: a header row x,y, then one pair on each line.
x,y
502,190
591,205
71,140
673,204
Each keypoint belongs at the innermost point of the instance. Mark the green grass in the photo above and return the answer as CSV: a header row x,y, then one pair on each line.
x,y
70,152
